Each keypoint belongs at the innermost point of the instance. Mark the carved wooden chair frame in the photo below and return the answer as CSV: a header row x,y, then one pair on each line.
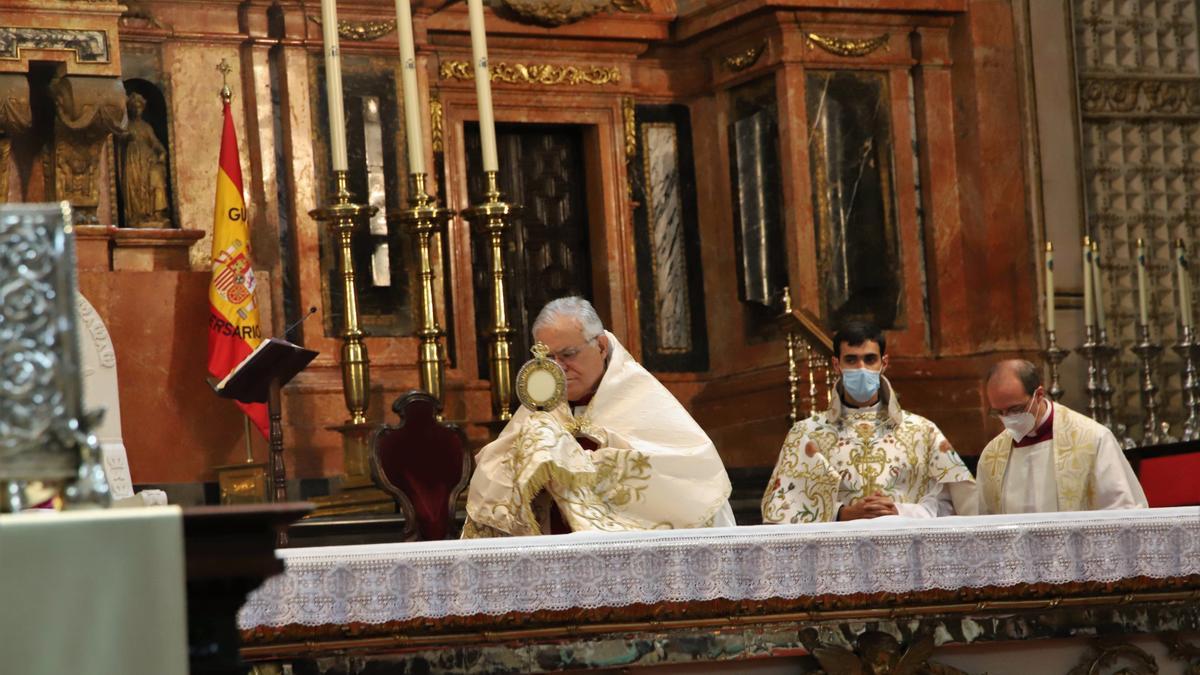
x,y
399,406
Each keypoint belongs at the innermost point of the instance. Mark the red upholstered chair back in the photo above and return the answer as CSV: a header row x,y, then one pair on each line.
x,y
1169,473
424,464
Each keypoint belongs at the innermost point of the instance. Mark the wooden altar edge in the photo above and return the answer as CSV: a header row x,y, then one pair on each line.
x,y
295,640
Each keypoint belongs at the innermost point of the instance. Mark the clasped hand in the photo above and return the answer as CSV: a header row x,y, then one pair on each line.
x,y
873,506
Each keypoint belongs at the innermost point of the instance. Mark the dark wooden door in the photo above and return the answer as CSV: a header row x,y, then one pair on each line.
x,y
547,252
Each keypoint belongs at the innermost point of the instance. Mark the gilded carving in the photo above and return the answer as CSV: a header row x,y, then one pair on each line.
x,y
89,46
851,47
16,115
539,73
436,121
363,31
5,148
143,171
555,12
631,6
1136,97
88,110
630,118
876,652
742,60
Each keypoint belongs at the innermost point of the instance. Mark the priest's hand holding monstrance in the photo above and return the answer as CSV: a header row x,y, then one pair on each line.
x,y
541,383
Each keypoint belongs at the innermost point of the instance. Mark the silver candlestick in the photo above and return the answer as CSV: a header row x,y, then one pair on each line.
x,y
1106,352
1148,352
1054,356
1188,348
1090,349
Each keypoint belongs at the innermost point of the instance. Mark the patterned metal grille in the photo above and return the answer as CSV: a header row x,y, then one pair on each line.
x,y
1141,158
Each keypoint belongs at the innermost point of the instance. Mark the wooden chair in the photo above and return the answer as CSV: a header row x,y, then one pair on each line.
x,y
424,464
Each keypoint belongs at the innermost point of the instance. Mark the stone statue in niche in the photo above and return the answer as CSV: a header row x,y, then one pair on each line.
x,y
143,171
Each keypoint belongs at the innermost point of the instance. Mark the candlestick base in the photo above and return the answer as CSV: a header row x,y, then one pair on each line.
x,y
1148,352
1189,350
493,218
1054,355
425,218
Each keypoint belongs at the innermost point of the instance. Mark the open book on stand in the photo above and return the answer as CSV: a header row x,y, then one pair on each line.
x,y
273,359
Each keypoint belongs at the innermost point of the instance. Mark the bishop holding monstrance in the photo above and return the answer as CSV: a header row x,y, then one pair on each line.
x,y
620,453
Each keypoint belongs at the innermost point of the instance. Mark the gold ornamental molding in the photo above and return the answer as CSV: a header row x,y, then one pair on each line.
x,y
736,63
628,112
851,47
538,73
1108,97
436,121
362,31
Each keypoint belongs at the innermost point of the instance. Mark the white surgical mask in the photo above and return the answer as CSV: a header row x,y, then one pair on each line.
x,y
1018,426
860,384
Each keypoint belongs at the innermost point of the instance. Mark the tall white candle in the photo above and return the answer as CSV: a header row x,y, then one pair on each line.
x,y
483,85
333,84
1087,283
1185,284
408,82
1049,286
1143,315
1098,282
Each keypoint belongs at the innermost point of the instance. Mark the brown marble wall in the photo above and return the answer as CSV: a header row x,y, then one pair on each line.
x,y
968,277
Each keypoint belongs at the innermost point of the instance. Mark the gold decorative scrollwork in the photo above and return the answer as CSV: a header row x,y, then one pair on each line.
x,y
851,47
631,6
544,73
735,63
363,31
630,117
436,120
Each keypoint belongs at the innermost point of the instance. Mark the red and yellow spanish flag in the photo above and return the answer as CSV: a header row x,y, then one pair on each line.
x,y
233,330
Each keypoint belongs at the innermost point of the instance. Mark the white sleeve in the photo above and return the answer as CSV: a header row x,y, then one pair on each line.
x,y
932,505
1113,483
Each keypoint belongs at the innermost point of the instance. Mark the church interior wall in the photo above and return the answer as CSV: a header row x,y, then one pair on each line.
x,y
965,258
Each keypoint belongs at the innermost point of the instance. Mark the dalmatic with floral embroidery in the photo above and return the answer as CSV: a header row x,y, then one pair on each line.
x,y
839,456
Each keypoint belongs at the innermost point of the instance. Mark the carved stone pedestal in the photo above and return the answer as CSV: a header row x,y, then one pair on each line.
x,y
107,247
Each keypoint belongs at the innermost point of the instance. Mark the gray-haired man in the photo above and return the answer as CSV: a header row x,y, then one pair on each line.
x,y
621,454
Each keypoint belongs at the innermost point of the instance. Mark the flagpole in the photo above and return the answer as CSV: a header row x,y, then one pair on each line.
x,y
249,445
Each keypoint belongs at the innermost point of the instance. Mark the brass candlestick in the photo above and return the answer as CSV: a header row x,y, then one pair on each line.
x,y
426,218
793,341
1188,349
356,375
1148,352
358,492
1054,355
1090,349
492,218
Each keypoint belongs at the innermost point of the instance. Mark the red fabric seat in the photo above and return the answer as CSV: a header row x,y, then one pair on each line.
x,y
1171,480
424,464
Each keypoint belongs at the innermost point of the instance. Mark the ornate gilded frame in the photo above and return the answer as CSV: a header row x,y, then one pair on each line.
x,y
538,368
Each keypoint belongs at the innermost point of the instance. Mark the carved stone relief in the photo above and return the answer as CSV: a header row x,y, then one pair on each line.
x,y
88,110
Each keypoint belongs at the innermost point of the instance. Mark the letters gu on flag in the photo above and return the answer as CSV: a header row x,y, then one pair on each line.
x,y
233,328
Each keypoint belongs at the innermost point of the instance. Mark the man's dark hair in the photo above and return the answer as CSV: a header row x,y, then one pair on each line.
x,y
856,332
1029,374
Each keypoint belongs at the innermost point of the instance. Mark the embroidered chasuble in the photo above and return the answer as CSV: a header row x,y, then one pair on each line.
x,y
844,454
652,466
1069,463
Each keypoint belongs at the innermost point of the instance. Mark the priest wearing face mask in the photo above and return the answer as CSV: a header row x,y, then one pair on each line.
x,y
1049,457
866,456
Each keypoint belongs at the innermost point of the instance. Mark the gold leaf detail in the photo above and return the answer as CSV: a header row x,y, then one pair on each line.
x,y
361,30
628,112
744,59
854,48
436,120
543,73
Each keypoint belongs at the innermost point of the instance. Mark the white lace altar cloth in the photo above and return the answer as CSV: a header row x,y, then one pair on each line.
x,y
376,584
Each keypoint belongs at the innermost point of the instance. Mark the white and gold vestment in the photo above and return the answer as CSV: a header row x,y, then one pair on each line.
x,y
844,454
1078,466
654,467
